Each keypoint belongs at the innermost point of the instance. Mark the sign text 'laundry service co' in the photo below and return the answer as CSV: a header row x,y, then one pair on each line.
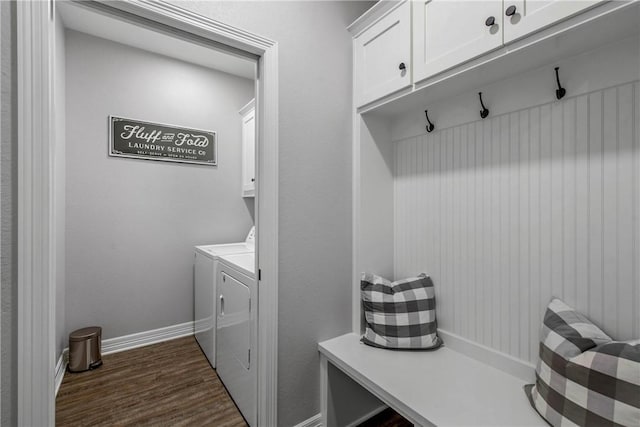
x,y
151,141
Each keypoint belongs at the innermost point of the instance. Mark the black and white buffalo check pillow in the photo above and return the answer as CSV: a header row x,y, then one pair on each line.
x,y
401,314
583,377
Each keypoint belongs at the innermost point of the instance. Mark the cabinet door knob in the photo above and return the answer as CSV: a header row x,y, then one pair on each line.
x,y
253,179
511,10
490,21
402,67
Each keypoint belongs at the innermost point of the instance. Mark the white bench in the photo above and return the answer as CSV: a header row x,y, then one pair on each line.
x,y
442,387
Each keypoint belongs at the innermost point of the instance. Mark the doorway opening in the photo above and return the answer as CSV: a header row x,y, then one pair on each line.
x,y
122,223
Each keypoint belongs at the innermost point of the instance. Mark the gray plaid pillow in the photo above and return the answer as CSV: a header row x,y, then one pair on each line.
x,y
399,315
583,377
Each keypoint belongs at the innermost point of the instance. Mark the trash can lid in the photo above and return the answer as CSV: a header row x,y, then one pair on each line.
x,y
84,333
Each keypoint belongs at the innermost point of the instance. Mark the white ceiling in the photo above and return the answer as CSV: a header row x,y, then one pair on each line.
x,y
82,19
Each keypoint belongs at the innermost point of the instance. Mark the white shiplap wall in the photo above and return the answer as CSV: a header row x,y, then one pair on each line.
x,y
506,212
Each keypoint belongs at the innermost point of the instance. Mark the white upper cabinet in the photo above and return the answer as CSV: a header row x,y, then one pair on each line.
x,y
448,33
248,113
522,17
399,46
383,56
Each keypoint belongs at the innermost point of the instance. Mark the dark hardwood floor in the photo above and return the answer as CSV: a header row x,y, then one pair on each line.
x,y
387,418
166,384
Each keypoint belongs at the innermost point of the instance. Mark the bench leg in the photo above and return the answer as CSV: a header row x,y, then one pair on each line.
x,y
344,402
324,389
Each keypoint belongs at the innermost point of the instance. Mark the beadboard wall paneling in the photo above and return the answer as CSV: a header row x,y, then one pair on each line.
x,y
506,212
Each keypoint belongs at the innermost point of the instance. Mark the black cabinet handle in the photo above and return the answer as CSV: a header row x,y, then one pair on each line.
x,y
490,21
511,10
402,67
253,179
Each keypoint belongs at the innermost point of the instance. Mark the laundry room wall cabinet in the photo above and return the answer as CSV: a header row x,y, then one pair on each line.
x,y
248,114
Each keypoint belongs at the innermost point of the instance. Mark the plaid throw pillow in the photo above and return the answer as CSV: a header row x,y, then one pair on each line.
x,y
399,315
583,377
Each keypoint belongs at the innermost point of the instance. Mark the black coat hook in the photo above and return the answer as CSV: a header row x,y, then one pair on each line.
x,y
485,111
560,92
430,126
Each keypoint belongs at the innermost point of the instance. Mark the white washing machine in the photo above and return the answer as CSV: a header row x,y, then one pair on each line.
x,y
205,267
236,331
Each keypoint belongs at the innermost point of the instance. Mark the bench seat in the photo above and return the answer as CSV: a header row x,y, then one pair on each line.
x,y
442,387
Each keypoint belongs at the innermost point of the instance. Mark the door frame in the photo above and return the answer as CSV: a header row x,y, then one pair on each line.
x,y
36,216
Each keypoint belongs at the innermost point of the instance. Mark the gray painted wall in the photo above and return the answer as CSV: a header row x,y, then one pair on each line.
x,y
315,181
132,224
8,217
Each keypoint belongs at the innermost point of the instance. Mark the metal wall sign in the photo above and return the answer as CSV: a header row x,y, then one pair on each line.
x,y
152,141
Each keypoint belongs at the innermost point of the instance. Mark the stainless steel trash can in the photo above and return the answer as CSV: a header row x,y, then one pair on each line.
x,y
84,349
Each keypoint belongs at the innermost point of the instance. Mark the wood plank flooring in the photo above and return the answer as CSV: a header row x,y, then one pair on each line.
x,y
387,418
166,384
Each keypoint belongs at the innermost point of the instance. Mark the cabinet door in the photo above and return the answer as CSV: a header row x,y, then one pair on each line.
x,y
248,153
379,52
448,33
532,15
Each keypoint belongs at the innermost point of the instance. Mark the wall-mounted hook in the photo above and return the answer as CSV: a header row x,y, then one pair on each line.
x,y
430,126
560,92
485,111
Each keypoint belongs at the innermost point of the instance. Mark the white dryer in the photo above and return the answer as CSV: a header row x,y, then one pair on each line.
x,y
205,267
236,331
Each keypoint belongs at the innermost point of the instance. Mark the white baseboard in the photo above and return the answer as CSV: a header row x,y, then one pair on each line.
x,y
367,416
315,421
140,339
61,368
129,342
502,361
